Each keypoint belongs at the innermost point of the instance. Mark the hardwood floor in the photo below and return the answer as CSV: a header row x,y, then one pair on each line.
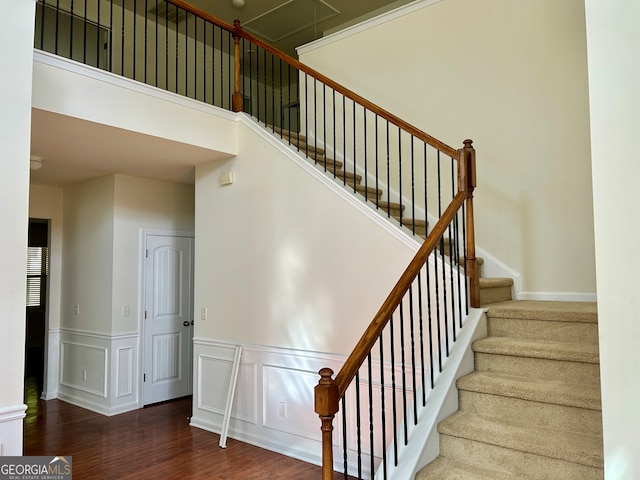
x,y
151,443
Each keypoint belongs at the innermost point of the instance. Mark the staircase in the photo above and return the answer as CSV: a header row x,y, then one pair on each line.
x,y
531,409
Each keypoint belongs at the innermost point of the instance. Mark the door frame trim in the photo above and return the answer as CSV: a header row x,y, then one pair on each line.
x,y
144,234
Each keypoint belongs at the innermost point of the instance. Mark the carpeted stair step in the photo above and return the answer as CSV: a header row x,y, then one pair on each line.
x,y
494,290
390,208
560,361
446,469
369,193
349,177
543,403
549,321
521,450
329,164
419,225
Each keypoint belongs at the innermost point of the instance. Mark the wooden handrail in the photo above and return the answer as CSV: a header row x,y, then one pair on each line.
x,y
237,30
380,320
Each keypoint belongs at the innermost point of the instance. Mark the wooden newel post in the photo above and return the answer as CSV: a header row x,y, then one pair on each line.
x,y
326,405
236,98
467,183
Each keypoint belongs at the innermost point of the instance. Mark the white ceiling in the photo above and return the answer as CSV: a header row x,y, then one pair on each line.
x,y
75,150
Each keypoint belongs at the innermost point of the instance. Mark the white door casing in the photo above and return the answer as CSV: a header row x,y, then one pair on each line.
x,y
167,317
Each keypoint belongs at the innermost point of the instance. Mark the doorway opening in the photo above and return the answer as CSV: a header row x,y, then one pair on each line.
x,y
36,306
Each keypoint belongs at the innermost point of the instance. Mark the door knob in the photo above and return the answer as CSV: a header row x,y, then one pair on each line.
x,y
186,323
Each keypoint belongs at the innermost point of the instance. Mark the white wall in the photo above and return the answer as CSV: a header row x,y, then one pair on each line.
x,y
88,255
46,203
284,261
16,31
614,75
513,77
142,204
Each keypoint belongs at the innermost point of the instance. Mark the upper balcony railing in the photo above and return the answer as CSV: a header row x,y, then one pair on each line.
x,y
410,177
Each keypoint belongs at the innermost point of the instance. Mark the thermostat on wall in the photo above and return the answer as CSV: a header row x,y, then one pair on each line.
x,y
225,178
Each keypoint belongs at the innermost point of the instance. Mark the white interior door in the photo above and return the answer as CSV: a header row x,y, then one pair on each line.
x,y
168,317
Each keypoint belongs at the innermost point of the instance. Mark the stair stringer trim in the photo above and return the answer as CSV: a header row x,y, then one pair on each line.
x,y
424,440
355,201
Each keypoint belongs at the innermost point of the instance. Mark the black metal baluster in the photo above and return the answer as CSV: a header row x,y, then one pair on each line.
x,y
383,420
413,193
84,34
344,140
195,57
71,32
413,356
176,55
134,18
353,110
345,444
443,264
399,172
122,45
324,124
430,325
58,25
377,159
371,428
264,61
464,252
315,121
186,55
273,89
99,42
146,39
110,35
43,9
166,46
388,166
358,425
394,406
204,62
366,192
157,46
421,342
404,375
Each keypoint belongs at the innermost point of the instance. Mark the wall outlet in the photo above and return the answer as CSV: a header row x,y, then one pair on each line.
x,y
283,409
76,309
84,375
125,310
203,313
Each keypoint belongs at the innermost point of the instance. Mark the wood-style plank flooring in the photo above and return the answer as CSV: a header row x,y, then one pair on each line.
x,y
151,443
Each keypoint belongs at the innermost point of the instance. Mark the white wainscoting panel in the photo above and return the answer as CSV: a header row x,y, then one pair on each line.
x,y
124,375
11,430
273,403
84,367
99,372
124,361
52,376
288,393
